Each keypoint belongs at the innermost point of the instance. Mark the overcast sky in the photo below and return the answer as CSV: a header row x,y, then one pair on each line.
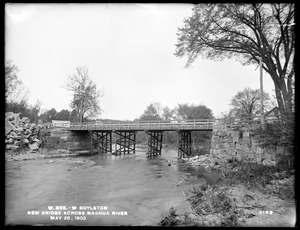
x,y
129,51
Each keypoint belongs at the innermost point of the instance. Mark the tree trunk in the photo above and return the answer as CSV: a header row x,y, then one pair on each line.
x,y
283,99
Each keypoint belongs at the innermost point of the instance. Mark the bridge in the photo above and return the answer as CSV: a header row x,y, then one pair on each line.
x,y
101,134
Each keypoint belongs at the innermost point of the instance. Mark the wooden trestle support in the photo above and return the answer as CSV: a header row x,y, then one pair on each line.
x,y
125,140
101,141
185,144
154,139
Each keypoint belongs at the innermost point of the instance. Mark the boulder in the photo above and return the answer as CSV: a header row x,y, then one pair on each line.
x,y
9,141
8,146
27,132
25,120
17,137
19,132
34,146
25,141
19,129
16,120
17,143
8,126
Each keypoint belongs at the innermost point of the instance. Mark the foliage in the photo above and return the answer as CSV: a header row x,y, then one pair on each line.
x,y
168,113
246,103
170,219
257,175
63,115
85,94
15,93
248,32
188,112
52,114
150,113
35,110
21,107
206,201
277,133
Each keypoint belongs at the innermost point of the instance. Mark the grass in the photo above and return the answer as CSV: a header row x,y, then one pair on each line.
x,y
207,200
215,208
261,177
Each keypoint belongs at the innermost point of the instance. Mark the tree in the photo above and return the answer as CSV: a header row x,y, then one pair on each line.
x,y
21,107
247,32
168,113
35,110
85,94
188,112
49,115
158,107
246,103
63,115
150,113
14,89
74,116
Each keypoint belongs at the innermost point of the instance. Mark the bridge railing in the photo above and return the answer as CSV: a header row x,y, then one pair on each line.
x,y
242,122
165,125
144,125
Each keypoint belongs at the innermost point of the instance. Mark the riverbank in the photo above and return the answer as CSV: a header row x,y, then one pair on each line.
x,y
41,154
237,194
232,194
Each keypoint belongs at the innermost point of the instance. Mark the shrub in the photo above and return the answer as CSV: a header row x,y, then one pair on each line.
x,y
207,201
170,219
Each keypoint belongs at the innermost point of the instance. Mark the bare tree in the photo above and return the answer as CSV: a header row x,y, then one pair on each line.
x,y
246,103
85,94
158,106
14,89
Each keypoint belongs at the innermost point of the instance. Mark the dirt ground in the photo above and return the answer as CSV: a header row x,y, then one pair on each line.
x,y
257,209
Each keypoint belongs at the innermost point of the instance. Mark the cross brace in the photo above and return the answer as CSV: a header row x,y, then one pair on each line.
x,y
154,139
185,144
101,141
126,142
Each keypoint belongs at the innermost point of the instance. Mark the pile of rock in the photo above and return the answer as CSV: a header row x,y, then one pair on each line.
x,y
20,133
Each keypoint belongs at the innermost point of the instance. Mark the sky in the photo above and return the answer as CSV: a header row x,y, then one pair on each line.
x,y
129,52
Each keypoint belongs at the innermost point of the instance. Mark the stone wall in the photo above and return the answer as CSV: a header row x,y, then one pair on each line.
x,y
229,144
72,141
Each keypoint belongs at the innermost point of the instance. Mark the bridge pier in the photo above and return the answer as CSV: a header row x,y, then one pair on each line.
x,y
126,142
185,143
154,140
102,141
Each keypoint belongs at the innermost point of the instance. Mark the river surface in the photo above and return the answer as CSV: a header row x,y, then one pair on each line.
x,y
140,188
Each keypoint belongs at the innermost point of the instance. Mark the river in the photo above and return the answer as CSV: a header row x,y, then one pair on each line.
x,y
127,190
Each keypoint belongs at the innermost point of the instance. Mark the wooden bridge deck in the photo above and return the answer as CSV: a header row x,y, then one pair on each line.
x,y
188,125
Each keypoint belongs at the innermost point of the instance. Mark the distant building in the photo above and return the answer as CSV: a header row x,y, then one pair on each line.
x,y
61,124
